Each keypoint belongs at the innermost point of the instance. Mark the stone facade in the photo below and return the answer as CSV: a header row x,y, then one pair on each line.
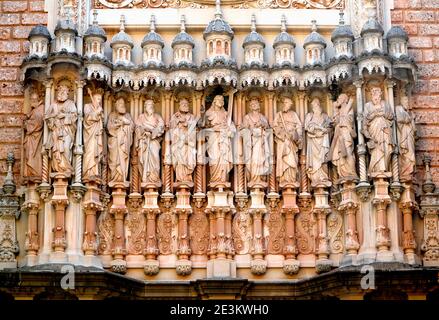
x,y
212,147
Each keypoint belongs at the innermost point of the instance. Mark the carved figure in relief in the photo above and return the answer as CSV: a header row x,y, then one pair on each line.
x,y
342,152
377,128
406,140
183,142
149,131
288,133
317,127
120,138
33,139
256,145
93,135
220,131
61,121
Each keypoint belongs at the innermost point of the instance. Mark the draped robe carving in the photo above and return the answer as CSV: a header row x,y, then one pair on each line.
x,y
406,141
33,139
61,121
149,130
120,138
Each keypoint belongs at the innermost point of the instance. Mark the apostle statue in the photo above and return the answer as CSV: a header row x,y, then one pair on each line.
x,y
120,138
183,142
149,130
406,140
342,152
220,131
377,128
256,145
93,136
33,139
61,121
288,133
317,127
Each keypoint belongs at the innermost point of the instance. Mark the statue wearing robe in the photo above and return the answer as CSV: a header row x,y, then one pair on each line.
x,y
377,128
183,143
317,127
149,130
288,133
256,148
33,139
219,142
93,135
406,141
120,138
61,121
342,153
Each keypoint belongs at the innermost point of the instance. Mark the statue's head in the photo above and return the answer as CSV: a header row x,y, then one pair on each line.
x,y
405,102
97,97
254,105
120,106
315,105
218,101
34,100
63,93
287,104
184,105
342,99
376,95
149,106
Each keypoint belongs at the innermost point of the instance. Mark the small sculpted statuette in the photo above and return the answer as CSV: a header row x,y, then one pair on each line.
x,y
256,145
317,127
120,138
61,121
406,140
342,152
149,130
288,133
220,131
33,139
93,135
183,143
377,128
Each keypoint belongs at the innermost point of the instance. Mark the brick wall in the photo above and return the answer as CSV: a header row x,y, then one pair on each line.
x,y
16,20
420,18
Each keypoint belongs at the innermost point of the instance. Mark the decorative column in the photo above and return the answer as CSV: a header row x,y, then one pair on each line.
x,y
430,214
119,209
321,210
290,210
407,206
349,206
257,210
381,200
9,213
32,207
272,185
363,187
395,187
183,209
151,210
91,206
60,201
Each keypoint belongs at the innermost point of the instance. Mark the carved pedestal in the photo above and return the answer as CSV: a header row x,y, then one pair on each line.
x,y
257,210
119,209
151,210
32,242
321,210
183,209
60,201
349,207
408,206
381,200
290,209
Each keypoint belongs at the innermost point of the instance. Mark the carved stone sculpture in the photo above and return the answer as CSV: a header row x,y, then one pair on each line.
x,y
342,152
61,121
288,132
33,139
183,143
220,130
406,140
120,138
256,145
149,130
93,135
377,128
317,127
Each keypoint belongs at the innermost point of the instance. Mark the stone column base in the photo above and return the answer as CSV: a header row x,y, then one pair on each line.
x,y
151,267
258,266
323,265
183,267
291,266
221,268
